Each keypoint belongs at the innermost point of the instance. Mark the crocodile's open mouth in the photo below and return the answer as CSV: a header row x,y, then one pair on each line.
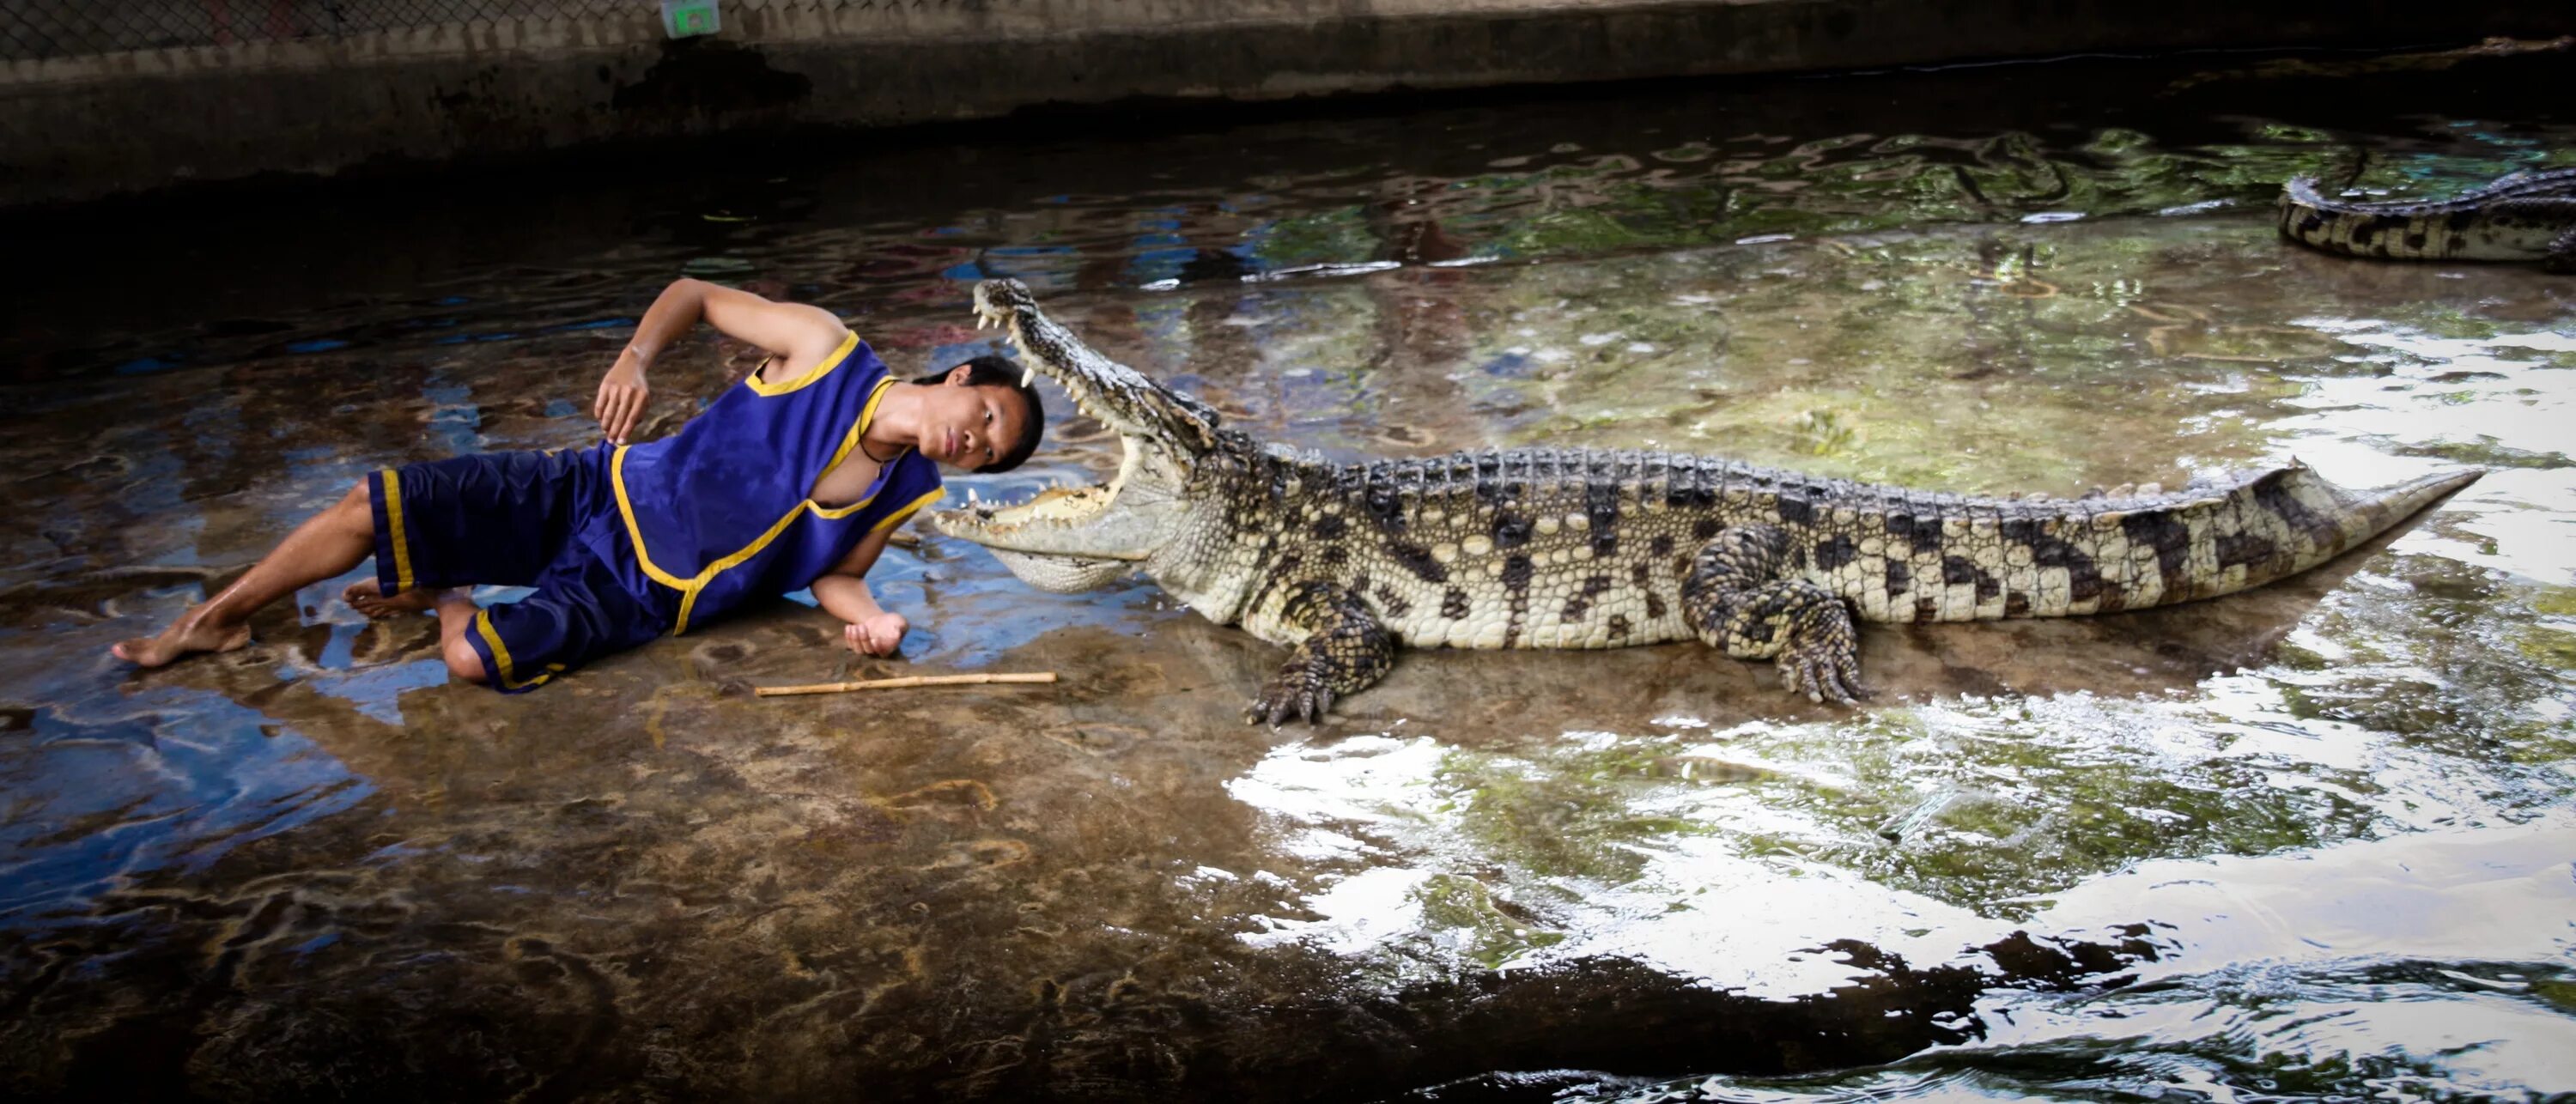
x,y
1055,509
1026,525
1068,538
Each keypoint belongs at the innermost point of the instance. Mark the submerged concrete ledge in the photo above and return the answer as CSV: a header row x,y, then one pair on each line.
x,y
81,127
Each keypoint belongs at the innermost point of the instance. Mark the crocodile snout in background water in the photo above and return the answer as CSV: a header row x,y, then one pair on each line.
x,y
1576,548
2522,216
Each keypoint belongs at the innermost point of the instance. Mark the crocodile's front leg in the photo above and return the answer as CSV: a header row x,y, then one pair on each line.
x,y
2562,253
1345,651
1743,598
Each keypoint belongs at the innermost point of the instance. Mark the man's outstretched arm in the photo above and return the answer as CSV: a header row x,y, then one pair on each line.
x,y
796,333
867,628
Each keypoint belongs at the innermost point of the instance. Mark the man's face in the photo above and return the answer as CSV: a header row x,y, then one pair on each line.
x,y
970,427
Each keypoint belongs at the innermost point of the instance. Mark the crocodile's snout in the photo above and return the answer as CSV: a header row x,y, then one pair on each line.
x,y
1003,295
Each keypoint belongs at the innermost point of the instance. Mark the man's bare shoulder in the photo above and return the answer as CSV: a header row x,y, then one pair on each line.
x,y
801,334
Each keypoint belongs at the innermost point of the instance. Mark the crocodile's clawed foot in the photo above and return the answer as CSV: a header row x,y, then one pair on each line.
x,y
1822,678
1741,606
1822,657
1300,691
1345,651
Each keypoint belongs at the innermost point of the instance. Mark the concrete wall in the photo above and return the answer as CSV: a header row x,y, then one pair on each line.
x,y
85,126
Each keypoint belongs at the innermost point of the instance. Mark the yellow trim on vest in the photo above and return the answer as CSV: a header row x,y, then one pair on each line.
x,y
910,508
635,533
501,654
392,484
689,588
728,563
819,371
850,441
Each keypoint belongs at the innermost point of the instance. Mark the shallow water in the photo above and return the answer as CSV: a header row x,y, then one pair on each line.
x,y
2308,842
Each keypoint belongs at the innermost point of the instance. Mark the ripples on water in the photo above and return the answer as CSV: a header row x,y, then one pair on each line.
x,y
872,225
2339,821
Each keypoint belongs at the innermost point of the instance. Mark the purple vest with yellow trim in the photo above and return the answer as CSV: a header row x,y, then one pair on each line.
x,y
720,511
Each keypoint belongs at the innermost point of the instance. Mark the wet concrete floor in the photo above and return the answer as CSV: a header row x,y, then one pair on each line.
x,y
2311,841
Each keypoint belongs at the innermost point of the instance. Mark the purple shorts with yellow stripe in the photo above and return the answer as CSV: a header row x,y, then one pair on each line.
x,y
546,520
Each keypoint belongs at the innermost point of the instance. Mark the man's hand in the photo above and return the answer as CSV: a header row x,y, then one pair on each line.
x,y
621,399
879,635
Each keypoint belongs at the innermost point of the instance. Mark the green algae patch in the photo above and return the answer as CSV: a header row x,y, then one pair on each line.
x,y
2556,601
1554,822
1466,911
2554,649
2543,744
1984,807
2486,452
1866,360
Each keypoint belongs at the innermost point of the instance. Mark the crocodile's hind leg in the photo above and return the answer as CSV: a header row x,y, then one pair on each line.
x,y
1743,597
1345,651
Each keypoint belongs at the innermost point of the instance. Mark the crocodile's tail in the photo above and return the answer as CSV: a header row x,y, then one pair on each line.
x,y
2224,537
2129,552
2393,505
2519,217
2356,229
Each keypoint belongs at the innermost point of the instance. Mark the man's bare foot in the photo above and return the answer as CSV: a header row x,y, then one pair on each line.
x,y
367,596
193,632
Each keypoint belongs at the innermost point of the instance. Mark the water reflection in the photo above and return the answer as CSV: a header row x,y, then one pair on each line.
x,y
465,262
2310,840
2422,965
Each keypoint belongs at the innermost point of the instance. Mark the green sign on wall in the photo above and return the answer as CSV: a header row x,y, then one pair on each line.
x,y
687,18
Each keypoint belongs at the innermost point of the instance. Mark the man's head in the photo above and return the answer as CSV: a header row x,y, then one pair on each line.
x,y
980,417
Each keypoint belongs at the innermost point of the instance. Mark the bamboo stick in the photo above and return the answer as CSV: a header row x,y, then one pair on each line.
x,y
899,683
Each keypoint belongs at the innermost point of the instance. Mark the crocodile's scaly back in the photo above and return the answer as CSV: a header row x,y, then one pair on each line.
x,y
2521,217
1549,548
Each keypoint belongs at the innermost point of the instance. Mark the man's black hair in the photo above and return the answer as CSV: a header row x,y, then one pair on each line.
x,y
998,371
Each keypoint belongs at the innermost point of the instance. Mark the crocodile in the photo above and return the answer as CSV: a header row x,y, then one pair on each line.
x,y
2518,217
1581,548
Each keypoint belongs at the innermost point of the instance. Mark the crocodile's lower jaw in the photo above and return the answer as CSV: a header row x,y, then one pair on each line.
x,y
1063,574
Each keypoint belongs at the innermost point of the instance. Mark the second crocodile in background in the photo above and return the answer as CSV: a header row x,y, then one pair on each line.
x,y
1576,548
2523,216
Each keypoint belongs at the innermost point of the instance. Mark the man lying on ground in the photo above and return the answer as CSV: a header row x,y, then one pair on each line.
x,y
794,478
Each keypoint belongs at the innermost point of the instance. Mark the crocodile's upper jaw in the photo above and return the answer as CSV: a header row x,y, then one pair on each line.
x,y
1069,540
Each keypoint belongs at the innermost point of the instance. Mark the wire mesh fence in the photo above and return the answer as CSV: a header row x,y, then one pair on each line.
x,y
71,28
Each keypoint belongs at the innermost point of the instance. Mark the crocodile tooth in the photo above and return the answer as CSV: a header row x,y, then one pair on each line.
x,y
2125,490
2150,490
